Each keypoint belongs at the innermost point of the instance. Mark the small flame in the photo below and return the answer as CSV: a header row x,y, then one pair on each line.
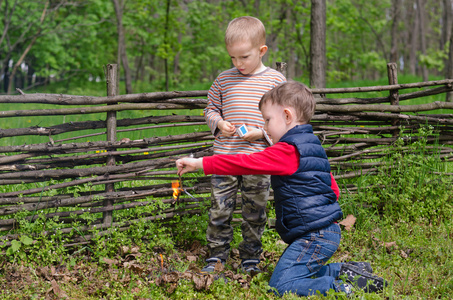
x,y
161,262
176,189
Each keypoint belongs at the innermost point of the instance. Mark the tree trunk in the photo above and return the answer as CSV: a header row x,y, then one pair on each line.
x,y
446,23
318,44
18,63
139,66
396,9
256,7
422,30
176,68
414,42
449,68
5,75
6,21
291,58
167,21
122,55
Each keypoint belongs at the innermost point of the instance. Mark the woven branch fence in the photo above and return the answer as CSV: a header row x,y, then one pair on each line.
x,y
78,175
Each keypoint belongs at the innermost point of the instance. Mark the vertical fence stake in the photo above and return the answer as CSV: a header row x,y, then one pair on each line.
x,y
112,90
281,67
392,74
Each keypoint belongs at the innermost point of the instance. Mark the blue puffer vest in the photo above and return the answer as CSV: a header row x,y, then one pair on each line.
x,y
305,201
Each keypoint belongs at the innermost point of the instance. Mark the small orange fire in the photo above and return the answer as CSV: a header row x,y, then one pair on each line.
x,y
176,189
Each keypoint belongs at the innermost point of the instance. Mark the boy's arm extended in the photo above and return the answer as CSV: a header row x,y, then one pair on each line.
x,y
280,159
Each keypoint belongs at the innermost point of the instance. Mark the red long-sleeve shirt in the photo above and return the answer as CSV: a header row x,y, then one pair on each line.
x,y
280,159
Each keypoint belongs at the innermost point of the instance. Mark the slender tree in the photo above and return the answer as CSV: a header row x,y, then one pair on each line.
x,y
167,43
396,11
122,55
414,39
446,23
449,68
422,31
318,44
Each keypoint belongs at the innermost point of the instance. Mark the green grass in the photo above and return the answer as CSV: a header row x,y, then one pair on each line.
x,y
418,265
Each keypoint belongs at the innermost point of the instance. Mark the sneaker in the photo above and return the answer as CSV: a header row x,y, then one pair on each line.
x,y
348,289
211,266
366,266
361,278
250,266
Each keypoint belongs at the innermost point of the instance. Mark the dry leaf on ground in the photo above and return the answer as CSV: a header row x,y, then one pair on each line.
x,y
349,222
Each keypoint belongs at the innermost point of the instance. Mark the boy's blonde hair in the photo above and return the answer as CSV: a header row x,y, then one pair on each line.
x,y
293,94
245,29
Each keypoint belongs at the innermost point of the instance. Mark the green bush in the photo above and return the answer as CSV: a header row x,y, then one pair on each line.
x,y
408,186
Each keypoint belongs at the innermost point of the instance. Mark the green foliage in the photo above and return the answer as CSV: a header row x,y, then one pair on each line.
x,y
190,228
17,247
360,54
75,41
407,187
68,40
40,239
435,59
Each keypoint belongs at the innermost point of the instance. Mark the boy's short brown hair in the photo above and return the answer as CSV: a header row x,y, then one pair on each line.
x,y
245,29
293,94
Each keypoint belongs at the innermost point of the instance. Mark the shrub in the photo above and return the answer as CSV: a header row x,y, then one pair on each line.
x,y
408,186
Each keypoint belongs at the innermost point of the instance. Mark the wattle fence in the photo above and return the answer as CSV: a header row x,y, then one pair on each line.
x,y
94,167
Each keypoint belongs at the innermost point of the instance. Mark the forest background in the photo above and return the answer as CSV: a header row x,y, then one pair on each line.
x,y
178,44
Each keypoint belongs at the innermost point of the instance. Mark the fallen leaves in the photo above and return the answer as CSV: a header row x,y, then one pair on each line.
x,y
191,258
392,246
56,289
349,222
201,281
170,280
99,276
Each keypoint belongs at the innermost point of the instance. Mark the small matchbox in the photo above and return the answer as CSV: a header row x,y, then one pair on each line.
x,y
242,130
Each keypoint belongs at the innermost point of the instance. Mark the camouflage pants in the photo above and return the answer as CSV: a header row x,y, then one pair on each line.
x,y
255,192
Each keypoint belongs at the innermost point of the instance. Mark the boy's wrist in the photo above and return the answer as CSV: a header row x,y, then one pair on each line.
x,y
219,124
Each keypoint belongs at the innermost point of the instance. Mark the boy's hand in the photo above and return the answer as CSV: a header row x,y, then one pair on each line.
x,y
253,134
187,164
226,128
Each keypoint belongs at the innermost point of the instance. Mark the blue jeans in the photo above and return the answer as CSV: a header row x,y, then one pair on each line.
x,y
302,268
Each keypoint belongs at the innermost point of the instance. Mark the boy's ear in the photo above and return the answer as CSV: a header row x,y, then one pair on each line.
x,y
288,115
263,50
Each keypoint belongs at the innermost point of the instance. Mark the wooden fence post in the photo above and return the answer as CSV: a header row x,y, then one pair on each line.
x,y
392,74
281,67
112,90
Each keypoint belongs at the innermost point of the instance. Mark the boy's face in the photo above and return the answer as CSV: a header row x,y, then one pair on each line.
x,y
277,120
245,57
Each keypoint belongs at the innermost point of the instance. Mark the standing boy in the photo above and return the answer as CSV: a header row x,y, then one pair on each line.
x,y
305,201
232,102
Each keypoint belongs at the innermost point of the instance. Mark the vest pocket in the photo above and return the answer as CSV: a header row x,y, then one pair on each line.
x,y
280,224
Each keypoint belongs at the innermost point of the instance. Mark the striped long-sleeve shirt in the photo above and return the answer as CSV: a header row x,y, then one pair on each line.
x,y
234,97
